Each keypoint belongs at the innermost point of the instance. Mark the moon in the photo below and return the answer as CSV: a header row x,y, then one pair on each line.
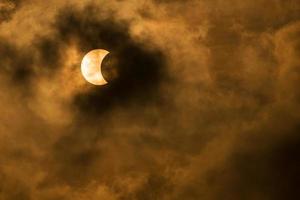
x,y
91,66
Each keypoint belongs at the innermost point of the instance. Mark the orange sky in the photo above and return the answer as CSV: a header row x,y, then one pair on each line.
x,y
204,103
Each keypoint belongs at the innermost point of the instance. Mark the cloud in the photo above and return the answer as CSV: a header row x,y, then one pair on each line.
x,y
202,102
139,69
7,8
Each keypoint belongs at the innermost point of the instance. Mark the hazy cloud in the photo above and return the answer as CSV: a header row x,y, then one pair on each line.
x,y
202,103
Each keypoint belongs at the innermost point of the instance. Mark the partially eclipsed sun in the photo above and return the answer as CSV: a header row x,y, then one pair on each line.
x,y
91,66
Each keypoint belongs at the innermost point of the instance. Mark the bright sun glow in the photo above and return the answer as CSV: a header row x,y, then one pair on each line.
x,y
91,67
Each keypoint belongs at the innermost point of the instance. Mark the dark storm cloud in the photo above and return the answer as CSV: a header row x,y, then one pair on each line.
x,y
139,69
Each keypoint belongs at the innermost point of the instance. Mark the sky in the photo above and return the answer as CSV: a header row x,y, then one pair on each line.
x,y
202,103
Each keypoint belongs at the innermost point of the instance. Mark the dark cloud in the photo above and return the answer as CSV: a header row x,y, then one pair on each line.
x,y
8,8
15,62
266,172
139,69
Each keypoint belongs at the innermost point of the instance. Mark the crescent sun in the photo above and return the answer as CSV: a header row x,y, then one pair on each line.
x,y
91,66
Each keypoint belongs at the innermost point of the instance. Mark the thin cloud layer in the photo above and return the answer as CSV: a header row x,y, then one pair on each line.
x,y
203,102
